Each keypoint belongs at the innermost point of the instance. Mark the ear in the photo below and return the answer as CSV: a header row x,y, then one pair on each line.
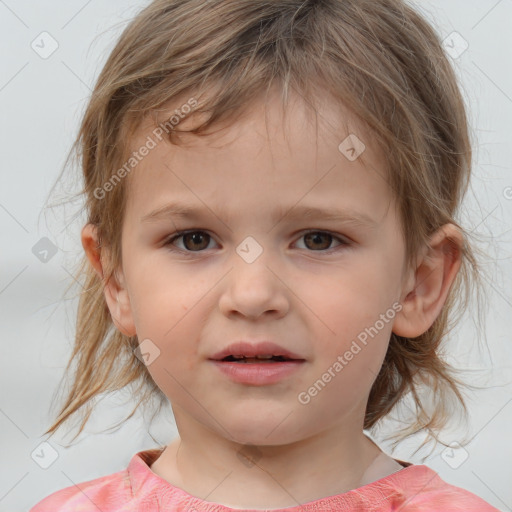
x,y
116,294
427,286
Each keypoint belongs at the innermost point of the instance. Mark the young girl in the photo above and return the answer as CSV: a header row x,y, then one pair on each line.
x,y
316,153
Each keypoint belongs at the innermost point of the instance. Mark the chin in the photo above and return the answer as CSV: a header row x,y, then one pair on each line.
x,y
266,431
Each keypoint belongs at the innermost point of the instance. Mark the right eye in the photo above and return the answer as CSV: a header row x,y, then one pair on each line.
x,y
192,239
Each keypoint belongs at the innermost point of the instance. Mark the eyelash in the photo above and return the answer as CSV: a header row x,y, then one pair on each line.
x,y
179,234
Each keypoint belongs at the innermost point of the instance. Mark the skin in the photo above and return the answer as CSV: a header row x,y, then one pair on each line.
x,y
313,297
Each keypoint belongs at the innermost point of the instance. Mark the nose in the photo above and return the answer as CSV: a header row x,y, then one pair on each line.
x,y
254,289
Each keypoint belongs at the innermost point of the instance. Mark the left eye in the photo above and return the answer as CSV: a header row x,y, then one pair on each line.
x,y
315,237
196,240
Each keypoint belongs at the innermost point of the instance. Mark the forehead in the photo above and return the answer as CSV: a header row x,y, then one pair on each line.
x,y
293,154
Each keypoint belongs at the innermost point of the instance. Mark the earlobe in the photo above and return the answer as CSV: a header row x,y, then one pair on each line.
x,y
118,302
116,294
427,287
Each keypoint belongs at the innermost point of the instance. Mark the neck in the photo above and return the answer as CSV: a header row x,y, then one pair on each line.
x,y
217,470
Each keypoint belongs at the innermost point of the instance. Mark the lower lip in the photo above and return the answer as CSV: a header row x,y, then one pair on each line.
x,y
258,374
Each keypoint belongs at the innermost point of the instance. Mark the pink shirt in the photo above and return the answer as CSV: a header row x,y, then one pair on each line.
x,y
416,488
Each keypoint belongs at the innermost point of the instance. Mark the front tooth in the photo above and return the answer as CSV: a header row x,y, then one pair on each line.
x,y
238,357
265,357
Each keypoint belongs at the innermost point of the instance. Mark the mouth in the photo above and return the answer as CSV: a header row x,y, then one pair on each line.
x,y
269,359
258,363
260,370
244,352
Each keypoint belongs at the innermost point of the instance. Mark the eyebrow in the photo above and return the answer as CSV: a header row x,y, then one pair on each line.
x,y
185,211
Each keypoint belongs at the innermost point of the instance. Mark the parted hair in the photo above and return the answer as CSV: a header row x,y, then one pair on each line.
x,y
380,59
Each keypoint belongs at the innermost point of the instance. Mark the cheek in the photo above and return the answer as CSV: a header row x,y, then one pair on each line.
x,y
163,300
171,305
349,299
347,324
176,336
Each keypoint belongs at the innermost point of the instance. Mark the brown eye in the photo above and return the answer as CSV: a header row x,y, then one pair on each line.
x,y
193,241
318,238
320,241
196,240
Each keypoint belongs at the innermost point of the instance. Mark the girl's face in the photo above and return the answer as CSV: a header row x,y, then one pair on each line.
x,y
252,272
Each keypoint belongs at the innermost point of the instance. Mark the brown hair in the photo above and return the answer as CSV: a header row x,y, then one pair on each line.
x,y
378,58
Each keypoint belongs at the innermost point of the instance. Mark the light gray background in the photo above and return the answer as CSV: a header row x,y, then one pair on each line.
x,y
41,102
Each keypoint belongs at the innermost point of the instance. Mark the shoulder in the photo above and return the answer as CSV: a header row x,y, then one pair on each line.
x,y
127,489
424,490
99,494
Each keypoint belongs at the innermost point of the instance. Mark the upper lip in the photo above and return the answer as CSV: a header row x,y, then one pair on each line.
x,y
247,349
